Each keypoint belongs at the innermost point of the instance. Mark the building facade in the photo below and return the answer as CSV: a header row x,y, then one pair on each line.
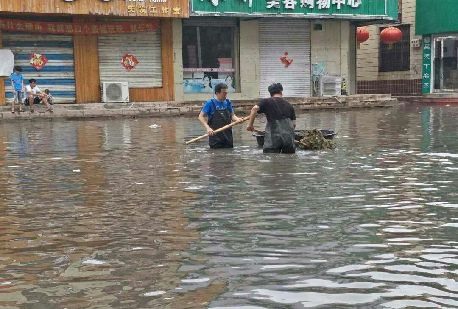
x,y
438,26
250,44
74,47
397,68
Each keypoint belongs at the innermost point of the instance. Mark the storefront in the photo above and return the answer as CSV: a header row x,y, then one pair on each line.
x,y
210,54
251,44
135,58
284,51
438,25
47,58
91,45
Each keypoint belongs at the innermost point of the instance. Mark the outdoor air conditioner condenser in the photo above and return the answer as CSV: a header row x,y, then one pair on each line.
x,y
115,92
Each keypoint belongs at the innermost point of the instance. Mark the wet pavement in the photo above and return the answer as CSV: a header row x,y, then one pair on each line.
x,y
121,214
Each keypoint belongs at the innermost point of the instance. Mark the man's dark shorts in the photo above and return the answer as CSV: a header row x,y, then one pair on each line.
x,y
36,100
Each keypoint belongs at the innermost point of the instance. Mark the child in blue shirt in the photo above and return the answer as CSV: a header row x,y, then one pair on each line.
x,y
17,83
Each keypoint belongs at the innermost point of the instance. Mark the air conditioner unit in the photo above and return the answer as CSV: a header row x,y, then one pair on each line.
x,y
115,92
330,85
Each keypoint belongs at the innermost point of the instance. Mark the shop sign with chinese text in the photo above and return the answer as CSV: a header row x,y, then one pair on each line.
x,y
426,72
18,25
133,8
348,9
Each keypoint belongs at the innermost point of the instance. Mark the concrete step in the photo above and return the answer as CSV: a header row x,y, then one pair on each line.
x,y
192,108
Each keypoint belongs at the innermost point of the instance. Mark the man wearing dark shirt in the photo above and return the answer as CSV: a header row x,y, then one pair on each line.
x,y
281,121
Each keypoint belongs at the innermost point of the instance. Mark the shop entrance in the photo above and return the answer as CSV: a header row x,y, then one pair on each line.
x,y
445,63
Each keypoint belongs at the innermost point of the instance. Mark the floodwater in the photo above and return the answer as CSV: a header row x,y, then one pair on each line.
x,y
121,214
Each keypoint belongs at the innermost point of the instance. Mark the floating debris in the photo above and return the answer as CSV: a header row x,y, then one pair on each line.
x,y
93,262
154,293
314,140
306,139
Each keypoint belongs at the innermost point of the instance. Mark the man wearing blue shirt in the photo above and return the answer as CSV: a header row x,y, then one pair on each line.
x,y
17,83
216,113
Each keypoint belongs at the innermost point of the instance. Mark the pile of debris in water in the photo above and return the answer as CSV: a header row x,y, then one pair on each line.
x,y
314,140
306,139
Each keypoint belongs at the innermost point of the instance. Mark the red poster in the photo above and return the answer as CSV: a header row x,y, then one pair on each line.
x,y
129,62
286,60
38,61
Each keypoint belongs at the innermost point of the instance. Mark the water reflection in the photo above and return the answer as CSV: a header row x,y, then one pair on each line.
x,y
120,214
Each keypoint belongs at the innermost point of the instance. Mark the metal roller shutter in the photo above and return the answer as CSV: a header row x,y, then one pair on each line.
x,y
146,47
275,38
58,75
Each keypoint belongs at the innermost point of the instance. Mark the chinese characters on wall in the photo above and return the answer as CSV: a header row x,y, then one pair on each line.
x,y
351,9
311,4
19,25
113,8
152,8
426,76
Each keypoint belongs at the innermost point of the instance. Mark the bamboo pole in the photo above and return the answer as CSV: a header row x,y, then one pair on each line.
x,y
219,130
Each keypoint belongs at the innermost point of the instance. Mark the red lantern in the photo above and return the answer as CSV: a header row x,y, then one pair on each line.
x,y
391,35
362,35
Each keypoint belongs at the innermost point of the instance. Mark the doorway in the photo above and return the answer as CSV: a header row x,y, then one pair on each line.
x,y
445,69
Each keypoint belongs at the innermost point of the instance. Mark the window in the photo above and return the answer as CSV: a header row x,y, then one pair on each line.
x,y
397,56
209,56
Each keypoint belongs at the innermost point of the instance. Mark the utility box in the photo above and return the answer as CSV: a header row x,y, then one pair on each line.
x,y
330,86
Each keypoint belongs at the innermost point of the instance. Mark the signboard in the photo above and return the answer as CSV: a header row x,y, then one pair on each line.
x,y
153,8
18,25
348,9
426,72
433,17
7,63
134,8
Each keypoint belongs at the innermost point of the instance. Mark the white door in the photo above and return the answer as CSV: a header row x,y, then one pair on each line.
x,y
144,46
284,46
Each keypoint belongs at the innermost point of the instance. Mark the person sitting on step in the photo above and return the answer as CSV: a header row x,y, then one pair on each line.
x,y
35,96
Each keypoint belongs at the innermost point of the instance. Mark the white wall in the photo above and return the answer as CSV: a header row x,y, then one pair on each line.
x,y
334,47
177,31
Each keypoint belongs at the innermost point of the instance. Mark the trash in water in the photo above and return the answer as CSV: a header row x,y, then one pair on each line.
x,y
314,140
93,262
306,139
154,126
154,293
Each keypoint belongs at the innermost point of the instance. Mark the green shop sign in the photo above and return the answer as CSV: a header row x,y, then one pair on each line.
x,y
436,16
348,9
426,72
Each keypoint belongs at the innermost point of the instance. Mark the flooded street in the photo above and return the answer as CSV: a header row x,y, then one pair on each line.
x,y
121,214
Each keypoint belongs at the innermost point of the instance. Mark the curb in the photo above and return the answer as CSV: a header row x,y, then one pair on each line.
x,y
174,109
